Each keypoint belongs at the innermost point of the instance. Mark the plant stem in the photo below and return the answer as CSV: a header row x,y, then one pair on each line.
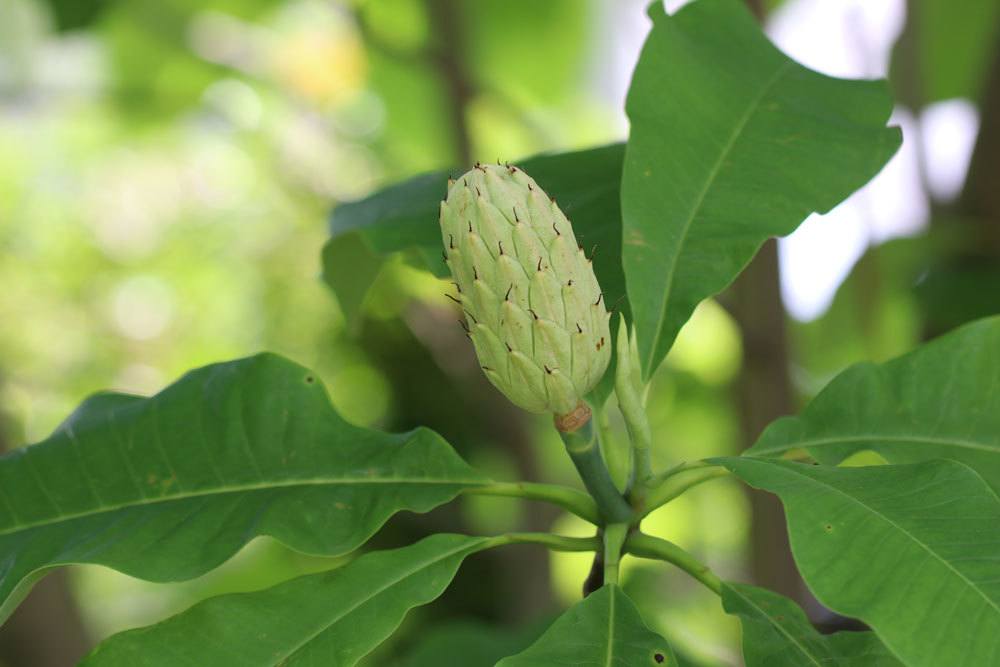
x,y
585,452
647,546
642,462
571,500
614,540
678,483
683,466
618,455
554,542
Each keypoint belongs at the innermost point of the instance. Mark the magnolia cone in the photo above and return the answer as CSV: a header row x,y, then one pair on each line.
x,y
534,310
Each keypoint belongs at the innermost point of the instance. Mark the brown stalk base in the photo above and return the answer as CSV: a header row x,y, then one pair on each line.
x,y
573,421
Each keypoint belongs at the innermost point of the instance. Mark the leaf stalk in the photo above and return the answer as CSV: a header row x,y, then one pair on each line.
x,y
554,542
677,482
571,500
647,546
614,541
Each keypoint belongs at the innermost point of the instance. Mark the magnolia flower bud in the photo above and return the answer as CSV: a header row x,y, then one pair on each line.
x,y
534,310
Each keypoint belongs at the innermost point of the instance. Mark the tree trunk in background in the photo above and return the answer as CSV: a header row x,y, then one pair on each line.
x,y
980,200
764,393
46,630
447,56
523,571
757,7
975,215
526,570
764,389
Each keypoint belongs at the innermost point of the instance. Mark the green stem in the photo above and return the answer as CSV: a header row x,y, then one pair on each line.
x,y
678,483
642,463
614,540
585,452
647,546
571,500
683,466
617,455
554,542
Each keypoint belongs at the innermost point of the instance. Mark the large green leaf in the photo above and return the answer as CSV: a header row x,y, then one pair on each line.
x,y
168,487
603,630
940,401
404,217
912,550
731,143
776,633
332,618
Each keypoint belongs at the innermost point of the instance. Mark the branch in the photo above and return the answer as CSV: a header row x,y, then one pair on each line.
x,y
679,482
554,542
571,500
647,546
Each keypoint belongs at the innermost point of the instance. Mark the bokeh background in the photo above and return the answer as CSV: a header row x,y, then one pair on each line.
x,y
167,170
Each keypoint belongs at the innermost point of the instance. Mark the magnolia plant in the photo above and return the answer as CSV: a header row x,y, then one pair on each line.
x,y
731,143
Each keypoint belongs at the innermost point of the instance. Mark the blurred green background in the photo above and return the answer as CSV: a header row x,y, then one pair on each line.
x,y
167,169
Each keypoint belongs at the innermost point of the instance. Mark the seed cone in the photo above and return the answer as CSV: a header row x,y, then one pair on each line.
x,y
534,310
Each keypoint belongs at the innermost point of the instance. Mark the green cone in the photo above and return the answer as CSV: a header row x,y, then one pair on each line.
x,y
534,310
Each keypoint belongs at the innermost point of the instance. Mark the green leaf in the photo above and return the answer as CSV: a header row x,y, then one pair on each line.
x,y
352,268
776,633
939,401
603,630
404,217
400,217
731,143
168,487
912,550
332,618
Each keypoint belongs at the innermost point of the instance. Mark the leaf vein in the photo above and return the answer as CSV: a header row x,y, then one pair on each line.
x,y
712,175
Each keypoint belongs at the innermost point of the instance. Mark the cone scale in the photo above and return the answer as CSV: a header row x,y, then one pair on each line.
x,y
532,304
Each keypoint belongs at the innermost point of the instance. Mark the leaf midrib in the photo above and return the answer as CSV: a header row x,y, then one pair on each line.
x,y
609,655
430,481
781,628
437,558
899,528
712,175
925,440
